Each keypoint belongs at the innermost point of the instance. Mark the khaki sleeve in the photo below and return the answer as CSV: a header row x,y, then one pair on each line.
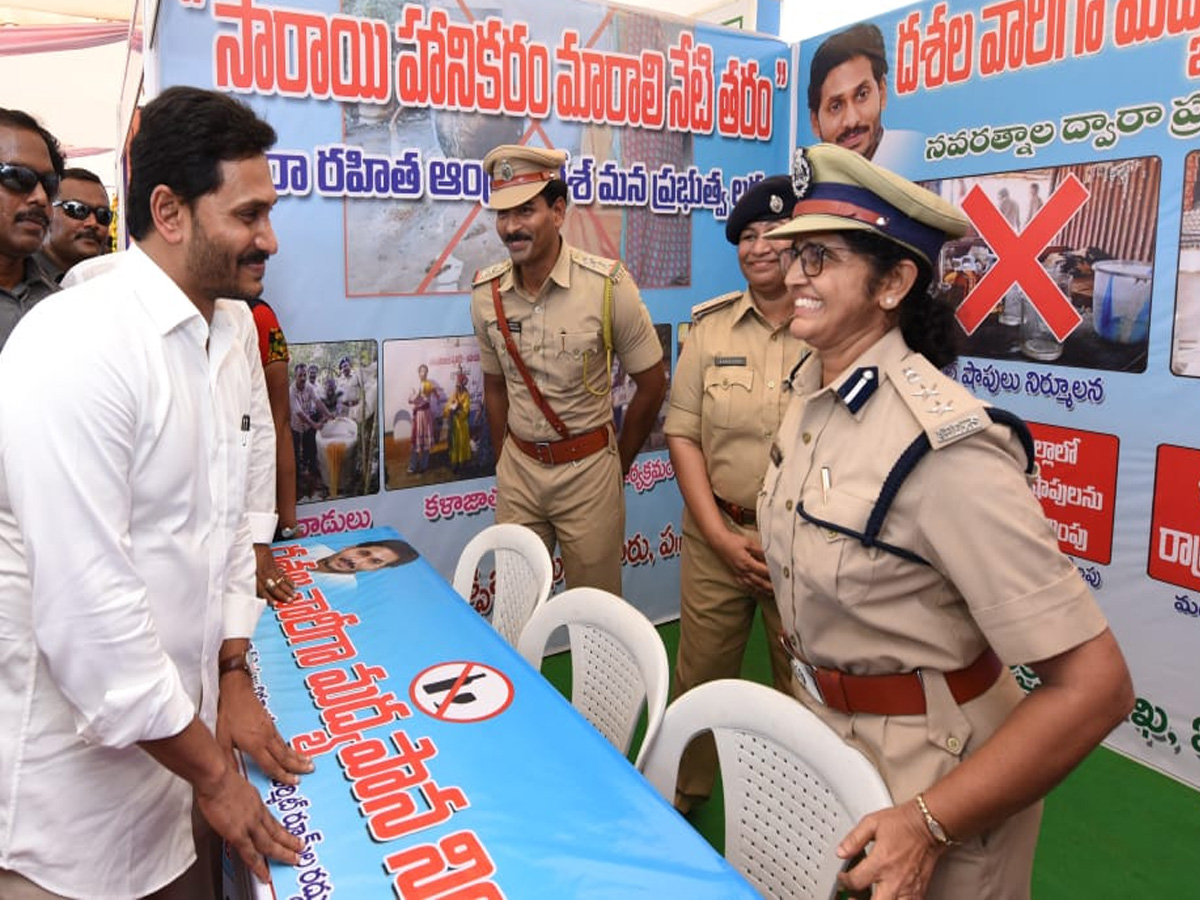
x,y
481,316
984,529
684,415
634,339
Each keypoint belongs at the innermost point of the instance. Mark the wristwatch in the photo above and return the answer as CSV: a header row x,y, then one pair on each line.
x,y
236,663
287,532
934,826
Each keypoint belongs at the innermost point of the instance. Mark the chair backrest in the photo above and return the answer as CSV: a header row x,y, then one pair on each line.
x,y
524,574
618,662
793,787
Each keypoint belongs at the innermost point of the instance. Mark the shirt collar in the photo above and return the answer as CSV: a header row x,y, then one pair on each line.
x,y
560,274
167,306
858,384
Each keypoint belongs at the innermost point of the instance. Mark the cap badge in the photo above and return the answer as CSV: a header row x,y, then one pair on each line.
x,y
776,204
801,173
506,170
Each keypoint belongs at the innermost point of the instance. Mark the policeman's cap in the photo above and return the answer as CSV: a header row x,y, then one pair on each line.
x,y
770,200
518,174
839,190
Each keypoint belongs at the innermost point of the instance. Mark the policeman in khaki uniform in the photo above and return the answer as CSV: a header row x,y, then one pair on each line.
x,y
904,597
549,322
727,399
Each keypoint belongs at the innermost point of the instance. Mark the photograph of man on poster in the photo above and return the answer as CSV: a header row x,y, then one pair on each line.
x,y
847,94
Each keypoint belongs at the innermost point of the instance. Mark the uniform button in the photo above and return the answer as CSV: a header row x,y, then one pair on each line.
x,y
788,506
953,744
806,437
787,573
771,385
725,383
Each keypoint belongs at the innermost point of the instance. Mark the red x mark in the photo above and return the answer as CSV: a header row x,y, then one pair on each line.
x,y
1017,258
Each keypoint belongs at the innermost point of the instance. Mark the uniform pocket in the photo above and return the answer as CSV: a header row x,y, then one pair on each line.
x,y
839,566
581,357
728,391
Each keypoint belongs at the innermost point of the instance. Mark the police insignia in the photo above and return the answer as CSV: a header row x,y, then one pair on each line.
x,y
801,173
776,204
506,170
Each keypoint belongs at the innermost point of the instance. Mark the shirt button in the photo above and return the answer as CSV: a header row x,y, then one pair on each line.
x,y
771,385
787,573
788,506
806,437
953,744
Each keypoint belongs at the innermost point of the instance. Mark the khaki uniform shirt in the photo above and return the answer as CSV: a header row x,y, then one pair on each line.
x,y
559,333
17,301
996,576
729,392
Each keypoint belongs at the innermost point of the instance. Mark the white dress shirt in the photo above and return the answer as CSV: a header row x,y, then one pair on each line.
x,y
126,426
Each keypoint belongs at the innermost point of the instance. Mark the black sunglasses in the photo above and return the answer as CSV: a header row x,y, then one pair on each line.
x,y
77,209
23,179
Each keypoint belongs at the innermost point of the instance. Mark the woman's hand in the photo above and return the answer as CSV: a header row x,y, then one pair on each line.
x,y
745,559
901,863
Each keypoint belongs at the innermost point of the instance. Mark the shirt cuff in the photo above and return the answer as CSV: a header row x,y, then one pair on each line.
x,y
681,423
240,616
139,712
262,526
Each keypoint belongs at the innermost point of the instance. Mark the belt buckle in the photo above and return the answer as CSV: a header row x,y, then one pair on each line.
x,y
544,454
807,675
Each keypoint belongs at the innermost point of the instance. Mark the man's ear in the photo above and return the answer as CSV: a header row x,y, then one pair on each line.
x,y
815,125
883,93
169,214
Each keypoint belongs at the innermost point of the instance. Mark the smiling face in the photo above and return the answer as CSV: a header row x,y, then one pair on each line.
x,y
24,215
367,558
836,311
530,231
231,235
851,109
759,260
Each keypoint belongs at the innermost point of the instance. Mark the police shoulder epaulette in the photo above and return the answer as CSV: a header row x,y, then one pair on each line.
x,y
609,268
700,310
483,276
945,410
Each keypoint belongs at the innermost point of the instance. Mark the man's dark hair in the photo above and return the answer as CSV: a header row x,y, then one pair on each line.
x,y
83,175
16,118
183,136
554,189
403,550
863,39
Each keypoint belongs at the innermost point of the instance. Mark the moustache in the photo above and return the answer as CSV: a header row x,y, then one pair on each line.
x,y
519,236
34,215
91,234
852,133
253,259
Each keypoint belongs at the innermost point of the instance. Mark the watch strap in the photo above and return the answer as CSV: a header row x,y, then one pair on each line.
x,y
236,663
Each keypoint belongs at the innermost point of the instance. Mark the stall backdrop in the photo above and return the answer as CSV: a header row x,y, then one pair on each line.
x,y
384,110
1079,284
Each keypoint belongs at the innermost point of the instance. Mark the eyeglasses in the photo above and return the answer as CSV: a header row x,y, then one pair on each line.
x,y
22,179
79,210
812,258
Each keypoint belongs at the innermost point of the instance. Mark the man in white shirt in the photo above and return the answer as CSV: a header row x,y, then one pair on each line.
x,y
126,568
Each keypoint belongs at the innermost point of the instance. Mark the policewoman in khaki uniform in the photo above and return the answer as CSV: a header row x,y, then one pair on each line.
x,y
902,619
550,321
727,399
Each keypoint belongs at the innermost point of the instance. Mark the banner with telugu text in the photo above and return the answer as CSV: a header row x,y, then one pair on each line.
x,y
384,110
1066,130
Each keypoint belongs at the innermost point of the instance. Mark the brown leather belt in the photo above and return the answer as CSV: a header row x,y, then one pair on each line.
x,y
572,449
741,514
897,695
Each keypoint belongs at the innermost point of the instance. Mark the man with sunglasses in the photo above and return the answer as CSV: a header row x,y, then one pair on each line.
x,y
78,223
31,165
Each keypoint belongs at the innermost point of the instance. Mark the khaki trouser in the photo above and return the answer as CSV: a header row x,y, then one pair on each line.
x,y
580,506
716,614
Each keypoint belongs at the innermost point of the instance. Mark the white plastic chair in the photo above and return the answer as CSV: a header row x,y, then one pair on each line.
x,y
793,788
618,662
524,574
